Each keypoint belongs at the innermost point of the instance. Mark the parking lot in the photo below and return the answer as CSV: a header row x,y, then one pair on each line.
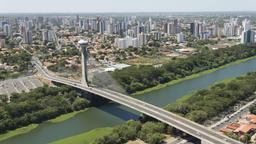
x,y
24,84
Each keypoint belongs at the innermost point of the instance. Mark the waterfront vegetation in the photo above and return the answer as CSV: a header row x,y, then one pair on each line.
x,y
65,117
31,127
173,82
85,138
148,135
39,105
198,106
139,78
150,132
207,103
18,131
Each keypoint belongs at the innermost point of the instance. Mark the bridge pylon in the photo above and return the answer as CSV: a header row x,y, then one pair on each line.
x,y
85,56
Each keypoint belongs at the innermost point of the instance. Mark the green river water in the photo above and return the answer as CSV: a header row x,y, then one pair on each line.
x,y
113,114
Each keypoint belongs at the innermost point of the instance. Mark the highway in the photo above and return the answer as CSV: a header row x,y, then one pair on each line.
x,y
203,133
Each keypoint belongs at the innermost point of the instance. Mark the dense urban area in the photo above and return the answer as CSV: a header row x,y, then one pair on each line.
x,y
54,68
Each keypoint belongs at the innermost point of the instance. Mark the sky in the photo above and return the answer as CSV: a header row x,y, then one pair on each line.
x,y
47,6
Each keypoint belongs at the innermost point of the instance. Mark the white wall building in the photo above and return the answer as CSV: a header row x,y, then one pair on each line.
x,y
142,38
126,42
7,30
180,38
248,37
246,24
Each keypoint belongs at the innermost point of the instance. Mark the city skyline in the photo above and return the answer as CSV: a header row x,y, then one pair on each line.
x,y
98,6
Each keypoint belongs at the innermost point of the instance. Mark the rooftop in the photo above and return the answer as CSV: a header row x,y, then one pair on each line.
x,y
82,42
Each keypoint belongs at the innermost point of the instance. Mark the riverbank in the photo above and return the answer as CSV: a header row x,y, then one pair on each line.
x,y
205,104
65,116
100,117
85,138
188,96
209,103
31,127
161,86
18,131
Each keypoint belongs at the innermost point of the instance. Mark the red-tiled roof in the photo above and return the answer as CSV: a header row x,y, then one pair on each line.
x,y
245,128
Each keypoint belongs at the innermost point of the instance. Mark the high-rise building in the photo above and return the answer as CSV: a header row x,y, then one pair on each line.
x,y
48,36
246,25
77,19
94,25
165,28
180,38
205,35
86,25
214,31
229,29
175,22
77,29
195,29
26,34
171,30
150,23
101,26
110,28
7,30
45,35
51,36
192,28
2,43
176,25
157,35
28,38
248,37
121,43
142,37
126,42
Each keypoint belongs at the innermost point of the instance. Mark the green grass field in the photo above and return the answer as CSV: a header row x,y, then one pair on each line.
x,y
29,128
17,132
65,117
85,138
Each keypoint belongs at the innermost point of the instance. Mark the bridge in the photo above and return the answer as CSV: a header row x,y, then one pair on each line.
x,y
206,135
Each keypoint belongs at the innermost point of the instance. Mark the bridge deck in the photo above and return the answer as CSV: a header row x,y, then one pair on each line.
x,y
189,127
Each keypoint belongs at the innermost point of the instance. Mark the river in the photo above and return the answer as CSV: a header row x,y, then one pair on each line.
x,y
113,114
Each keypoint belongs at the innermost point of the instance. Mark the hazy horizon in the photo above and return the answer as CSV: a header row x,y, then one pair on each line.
x,y
118,6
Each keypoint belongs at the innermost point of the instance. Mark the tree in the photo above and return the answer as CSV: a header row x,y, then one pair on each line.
x,y
38,105
155,138
80,103
253,110
150,128
4,98
137,78
246,138
197,116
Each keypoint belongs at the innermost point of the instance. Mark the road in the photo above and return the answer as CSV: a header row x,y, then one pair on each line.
x,y
233,117
189,127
